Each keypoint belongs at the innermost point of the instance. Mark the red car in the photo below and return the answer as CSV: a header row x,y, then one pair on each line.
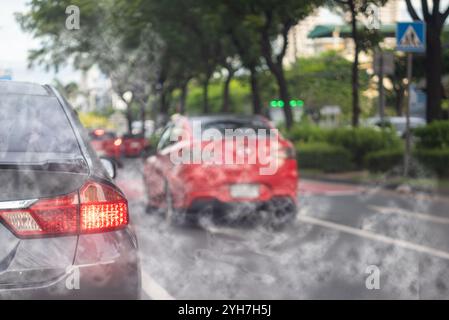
x,y
225,178
106,144
134,145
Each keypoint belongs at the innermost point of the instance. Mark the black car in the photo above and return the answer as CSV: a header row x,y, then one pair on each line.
x,y
64,224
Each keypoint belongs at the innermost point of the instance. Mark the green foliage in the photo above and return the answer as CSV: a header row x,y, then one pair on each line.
x,y
383,160
436,160
434,135
239,97
307,134
361,141
323,156
308,76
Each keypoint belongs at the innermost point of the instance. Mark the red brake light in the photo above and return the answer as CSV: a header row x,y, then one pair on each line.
x,y
102,208
118,142
99,132
97,208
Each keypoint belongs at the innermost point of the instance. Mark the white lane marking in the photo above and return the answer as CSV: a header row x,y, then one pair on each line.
x,y
374,236
153,290
224,231
416,215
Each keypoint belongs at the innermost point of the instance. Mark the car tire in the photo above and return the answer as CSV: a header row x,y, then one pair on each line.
x,y
282,216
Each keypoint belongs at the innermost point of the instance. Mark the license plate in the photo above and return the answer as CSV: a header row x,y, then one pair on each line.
x,y
135,145
244,191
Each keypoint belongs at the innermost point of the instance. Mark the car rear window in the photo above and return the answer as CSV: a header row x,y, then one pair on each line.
x,y
35,127
239,126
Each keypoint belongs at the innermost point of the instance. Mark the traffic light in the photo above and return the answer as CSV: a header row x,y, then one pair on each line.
x,y
292,103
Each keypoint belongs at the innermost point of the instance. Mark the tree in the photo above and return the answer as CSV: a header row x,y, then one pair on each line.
x,y
275,22
244,39
106,44
357,8
434,20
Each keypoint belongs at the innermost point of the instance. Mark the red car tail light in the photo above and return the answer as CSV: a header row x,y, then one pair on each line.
x,y
55,216
97,208
118,142
102,208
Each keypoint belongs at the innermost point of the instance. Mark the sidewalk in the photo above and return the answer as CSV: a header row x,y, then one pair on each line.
x,y
364,178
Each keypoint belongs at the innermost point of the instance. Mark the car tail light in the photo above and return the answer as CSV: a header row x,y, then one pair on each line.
x,y
102,208
118,142
45,217
96,208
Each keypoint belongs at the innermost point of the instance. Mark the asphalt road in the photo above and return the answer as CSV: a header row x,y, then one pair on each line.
x,y
341,232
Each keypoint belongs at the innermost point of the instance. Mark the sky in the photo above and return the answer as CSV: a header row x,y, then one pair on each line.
x,y
14,46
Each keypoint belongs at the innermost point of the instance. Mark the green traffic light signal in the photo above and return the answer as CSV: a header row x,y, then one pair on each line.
x,y
280,103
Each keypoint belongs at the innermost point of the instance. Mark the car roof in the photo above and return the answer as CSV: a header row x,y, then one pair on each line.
x,y
23,88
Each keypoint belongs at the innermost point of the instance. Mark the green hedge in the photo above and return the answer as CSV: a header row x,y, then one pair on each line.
x,y
433,136
308,133
436,160
362,141
323,156
383,160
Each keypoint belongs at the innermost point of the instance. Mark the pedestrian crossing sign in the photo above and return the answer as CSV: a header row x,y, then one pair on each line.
x,y
411,36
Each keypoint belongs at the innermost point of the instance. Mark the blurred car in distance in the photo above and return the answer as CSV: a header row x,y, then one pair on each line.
x,y
107,144
133,145
396,123
224,192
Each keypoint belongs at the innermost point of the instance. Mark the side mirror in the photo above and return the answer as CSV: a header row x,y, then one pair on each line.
x,y
110,167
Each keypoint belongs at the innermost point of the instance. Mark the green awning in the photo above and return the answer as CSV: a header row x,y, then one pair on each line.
x,y
327,30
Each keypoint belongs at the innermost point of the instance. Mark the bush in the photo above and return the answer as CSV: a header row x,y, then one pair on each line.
x,y
323,156
307,134
433,136
436,160
361,141
383,160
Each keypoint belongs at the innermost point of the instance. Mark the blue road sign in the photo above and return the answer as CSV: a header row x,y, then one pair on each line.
x,y
411,36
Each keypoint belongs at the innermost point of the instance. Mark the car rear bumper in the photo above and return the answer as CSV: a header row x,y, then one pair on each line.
x,y
106,266
239,212
215,183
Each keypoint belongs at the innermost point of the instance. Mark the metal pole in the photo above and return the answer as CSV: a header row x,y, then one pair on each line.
x,y
381,87
407,116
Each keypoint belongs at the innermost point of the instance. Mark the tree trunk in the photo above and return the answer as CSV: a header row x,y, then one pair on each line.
x,y
255,93
163,102
399,100
142,104
284,95
225,107
433,62
129,117
206,95
183,98
355,68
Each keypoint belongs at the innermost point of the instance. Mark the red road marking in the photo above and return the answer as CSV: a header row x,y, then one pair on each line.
x,y
325,188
